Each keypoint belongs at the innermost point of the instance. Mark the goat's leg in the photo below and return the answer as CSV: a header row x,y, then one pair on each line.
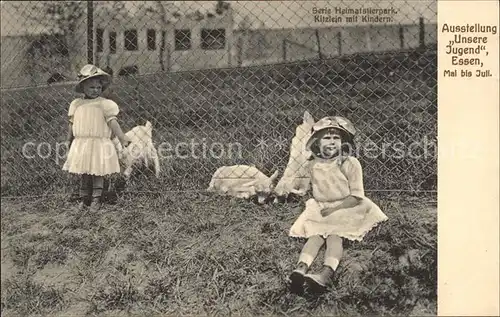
x,y
156,160
127,172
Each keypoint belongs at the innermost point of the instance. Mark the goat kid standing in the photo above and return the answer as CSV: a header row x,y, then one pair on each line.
x,y
140,151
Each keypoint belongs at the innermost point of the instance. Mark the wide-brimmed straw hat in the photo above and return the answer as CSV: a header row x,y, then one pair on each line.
x,y
91,71
327,123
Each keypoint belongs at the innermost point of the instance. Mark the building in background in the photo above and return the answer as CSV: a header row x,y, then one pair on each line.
x,y
143,37
149,39
39,45
269,32
156,39
32,52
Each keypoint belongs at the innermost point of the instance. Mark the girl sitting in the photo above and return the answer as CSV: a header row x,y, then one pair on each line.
x,y
339,208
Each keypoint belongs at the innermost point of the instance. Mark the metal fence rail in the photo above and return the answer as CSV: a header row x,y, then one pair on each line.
x,y
221,86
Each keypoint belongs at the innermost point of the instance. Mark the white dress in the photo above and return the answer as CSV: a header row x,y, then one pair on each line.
x,y
92,151
332,181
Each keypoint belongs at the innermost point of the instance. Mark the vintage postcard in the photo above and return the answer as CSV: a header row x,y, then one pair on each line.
x,y
202,158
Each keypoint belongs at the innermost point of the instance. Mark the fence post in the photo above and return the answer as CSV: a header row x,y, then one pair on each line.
x,y
368,39
320,55
284,50
421,35
162,49
339,41
90,32
169,56
241,46
401,37
230,45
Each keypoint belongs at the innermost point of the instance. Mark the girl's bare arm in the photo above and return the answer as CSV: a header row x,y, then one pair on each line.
x,y
348,202
70,136
117,130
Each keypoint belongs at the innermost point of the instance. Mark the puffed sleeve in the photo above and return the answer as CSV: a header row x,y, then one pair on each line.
x,y
72,108
354,173
110,109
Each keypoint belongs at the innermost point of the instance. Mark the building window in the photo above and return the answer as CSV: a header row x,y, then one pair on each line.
x,y
129,71
131,40
213,39
182,40
99,37
112,42
151,34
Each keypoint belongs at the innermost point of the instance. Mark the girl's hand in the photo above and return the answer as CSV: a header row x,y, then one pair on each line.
x,y
126,141
348,202
328,211
67,143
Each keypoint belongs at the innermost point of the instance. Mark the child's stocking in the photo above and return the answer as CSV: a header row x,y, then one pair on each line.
x,y
311,249
85,187
321,281
334,251
97,187
307,256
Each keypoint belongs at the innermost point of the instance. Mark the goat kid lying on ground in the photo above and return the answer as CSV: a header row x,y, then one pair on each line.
x,y
141,150
242,181
295,179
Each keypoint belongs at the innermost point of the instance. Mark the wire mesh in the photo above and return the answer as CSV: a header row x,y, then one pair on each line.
x,y
222,83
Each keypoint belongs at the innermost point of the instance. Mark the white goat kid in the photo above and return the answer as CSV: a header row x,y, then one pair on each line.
x,y
295,179
141,150
242,181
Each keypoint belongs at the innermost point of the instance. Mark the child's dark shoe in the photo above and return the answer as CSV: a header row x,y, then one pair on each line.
x,y
96,204
321,282
297,278
83,203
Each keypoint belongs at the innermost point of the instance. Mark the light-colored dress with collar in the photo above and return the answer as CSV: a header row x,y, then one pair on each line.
x,y
331,182
92,151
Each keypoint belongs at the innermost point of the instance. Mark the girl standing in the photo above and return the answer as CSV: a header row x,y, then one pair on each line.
x,y
339,209
92,120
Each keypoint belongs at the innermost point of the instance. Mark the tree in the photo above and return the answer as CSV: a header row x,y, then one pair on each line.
x,y
165,23
165,19
244,27
245,24
65,19
61,20
111,13
221,7
46,54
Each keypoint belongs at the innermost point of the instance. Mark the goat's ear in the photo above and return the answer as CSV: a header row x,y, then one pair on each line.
x,y
250,183
308,118
274,176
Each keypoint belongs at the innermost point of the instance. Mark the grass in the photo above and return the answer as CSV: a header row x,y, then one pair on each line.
x,y
198,254
27,297
389,97
168,248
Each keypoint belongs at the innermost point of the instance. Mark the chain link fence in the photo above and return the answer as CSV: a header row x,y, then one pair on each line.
x,y
223,83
